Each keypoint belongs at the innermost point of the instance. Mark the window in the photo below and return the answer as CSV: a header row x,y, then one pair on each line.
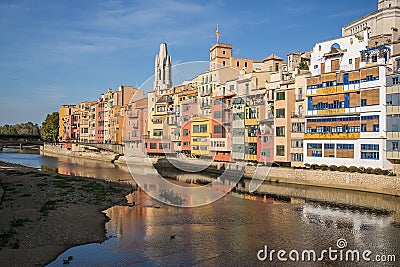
x,y
163,145
217,129
363,102
185,107
296,143
203,128
314,146
160,108
266,152
369,147
296,157
157,132
300,111
370,155
153,145
157,120
329,146
375,127
185,132
363,128
218,114
280,150
280,131
315,67
265,139
280,113
300,93
298,127
185,118
237,64
395,146
345,147
252,131
276,67
223,63
185,143
350,61
314,150
245,64
280,96
252,113
251,149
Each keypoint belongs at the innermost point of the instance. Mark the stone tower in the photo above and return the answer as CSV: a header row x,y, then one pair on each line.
x,y
388,4
162,71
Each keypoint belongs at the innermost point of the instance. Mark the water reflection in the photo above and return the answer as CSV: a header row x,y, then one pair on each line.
x,y
229,232
67,165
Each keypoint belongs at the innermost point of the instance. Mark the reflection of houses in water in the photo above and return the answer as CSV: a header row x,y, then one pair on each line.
x,y
355,220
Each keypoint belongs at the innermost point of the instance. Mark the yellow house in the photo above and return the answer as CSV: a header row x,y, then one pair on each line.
x,y
200,136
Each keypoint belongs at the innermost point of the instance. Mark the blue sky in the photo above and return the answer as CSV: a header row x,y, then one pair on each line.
x,y
64,52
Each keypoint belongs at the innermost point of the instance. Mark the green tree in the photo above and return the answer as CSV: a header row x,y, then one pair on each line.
x,y
303,64
27,128
8,129
49,130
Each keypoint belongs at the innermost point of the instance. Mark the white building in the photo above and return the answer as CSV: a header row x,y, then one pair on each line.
x,y
346,96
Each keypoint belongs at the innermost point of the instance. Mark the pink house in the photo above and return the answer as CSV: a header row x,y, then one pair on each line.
x,y
265,142
100,121
135,124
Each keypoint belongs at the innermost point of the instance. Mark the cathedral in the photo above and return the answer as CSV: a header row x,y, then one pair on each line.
x,y
162,71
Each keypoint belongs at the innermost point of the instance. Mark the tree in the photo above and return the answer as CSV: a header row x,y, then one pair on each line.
x,y
8,129
49,130
27,128
303,64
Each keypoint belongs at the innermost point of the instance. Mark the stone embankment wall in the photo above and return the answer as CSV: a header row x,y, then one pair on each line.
x,y
60,150
334,179
344,180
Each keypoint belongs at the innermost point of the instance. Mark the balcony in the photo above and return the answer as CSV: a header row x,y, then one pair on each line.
x,y
297,115
171,111
206,93
328,136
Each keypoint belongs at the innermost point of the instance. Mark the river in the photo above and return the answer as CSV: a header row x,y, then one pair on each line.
x,y
233,230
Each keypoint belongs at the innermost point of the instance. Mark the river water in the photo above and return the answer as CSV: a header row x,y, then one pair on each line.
x,y
233,230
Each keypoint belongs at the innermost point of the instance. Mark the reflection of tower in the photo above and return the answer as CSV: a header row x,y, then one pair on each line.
x,y
162,71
